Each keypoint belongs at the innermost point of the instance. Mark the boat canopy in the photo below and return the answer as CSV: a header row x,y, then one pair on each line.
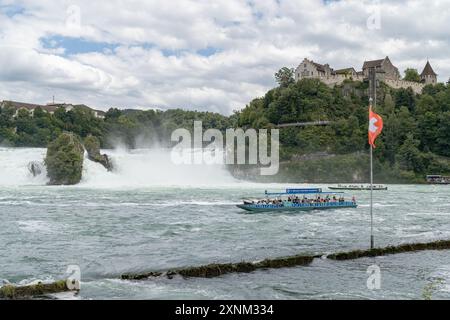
x,y
301,191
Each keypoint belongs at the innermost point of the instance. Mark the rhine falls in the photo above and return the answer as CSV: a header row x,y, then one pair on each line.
x,y
133,168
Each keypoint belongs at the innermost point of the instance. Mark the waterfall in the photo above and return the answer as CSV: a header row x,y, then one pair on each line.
x,y
132,168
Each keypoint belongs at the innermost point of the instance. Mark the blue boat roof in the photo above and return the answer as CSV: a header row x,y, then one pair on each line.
x,y
301,191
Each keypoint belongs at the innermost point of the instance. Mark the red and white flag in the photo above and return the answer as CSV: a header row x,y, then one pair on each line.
x,y
375,126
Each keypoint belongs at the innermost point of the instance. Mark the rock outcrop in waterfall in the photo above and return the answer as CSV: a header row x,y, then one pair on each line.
x,y
64,160
36,168
92,146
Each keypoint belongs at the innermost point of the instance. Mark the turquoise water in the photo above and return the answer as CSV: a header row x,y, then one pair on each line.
x,y
109,227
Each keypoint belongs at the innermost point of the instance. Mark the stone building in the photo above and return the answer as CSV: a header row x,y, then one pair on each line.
x,y
428,76
383,68
311,69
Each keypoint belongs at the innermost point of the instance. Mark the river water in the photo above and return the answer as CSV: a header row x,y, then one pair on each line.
x,y
152,215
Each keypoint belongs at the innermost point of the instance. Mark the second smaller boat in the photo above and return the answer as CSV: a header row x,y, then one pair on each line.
x,y
358,187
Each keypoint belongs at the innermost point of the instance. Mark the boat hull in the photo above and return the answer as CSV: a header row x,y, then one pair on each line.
x,y
298,207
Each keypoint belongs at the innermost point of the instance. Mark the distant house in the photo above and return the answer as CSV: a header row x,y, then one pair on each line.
x,y
30,107
66,106
383,68
50,107
97,113
428,76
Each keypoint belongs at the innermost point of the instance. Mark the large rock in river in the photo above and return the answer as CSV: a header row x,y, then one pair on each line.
x,y
92,145
64,160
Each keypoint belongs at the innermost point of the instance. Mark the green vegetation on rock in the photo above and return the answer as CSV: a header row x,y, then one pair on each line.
x,y
92,146
64,160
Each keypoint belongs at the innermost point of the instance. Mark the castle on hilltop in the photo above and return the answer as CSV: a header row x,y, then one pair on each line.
x,y
384,69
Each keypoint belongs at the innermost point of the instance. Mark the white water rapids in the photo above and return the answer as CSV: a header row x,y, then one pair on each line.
x,y
136,168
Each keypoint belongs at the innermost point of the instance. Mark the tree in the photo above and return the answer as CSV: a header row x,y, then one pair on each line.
x,y
284,76
405,97
443,134
412,75
113,113
409,156
389,105
6,116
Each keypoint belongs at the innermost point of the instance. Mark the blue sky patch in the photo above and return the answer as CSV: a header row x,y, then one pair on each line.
x,y
208,51
12,10
76,45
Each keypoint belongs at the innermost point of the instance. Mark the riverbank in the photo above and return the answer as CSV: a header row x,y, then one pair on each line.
x,y
331,168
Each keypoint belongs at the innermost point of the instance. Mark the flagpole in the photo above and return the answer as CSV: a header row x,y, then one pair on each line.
x,y
371,171
371,198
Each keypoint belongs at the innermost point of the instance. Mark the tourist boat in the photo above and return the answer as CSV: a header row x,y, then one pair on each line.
x,y
358,187
437,179
290,201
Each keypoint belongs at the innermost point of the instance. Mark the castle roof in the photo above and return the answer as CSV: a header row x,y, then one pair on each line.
x,y
319,66
428,70
372,63
345,70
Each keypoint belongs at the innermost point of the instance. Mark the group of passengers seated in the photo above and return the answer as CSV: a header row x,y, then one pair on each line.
x,y
305,200
270,201
318,199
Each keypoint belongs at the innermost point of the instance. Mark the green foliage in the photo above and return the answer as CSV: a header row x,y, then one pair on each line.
x,y
412,75
64,160
92,145
415,139
284,76
409,156
406,98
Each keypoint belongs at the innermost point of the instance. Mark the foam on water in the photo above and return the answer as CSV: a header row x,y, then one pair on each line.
x,y
152,167
133,169
14,166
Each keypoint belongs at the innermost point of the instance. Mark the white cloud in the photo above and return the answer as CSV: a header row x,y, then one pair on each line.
x,y
156,61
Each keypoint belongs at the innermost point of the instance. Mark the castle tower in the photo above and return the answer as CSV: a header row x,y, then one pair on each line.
x,y
428,76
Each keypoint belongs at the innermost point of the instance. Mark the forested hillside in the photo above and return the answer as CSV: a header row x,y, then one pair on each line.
x,y
415,140
133,128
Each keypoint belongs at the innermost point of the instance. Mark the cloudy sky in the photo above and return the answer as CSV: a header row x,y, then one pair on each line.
x,y
201,54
